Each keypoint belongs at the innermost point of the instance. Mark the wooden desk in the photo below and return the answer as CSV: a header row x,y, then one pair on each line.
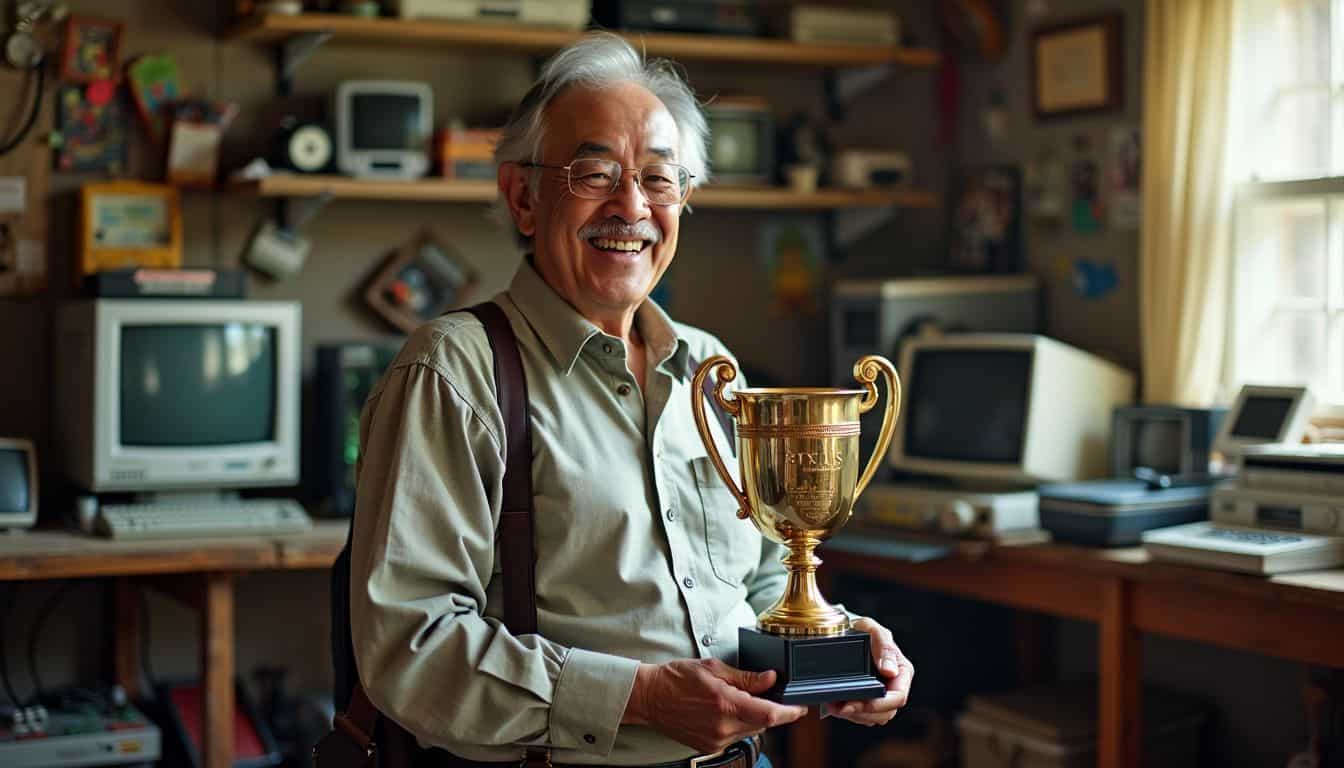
x,y
1296,616
200,572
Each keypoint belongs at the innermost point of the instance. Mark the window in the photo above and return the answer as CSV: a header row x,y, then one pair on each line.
x,y
1287,161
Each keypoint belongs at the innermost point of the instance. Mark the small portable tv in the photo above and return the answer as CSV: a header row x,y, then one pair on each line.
x,y
174,395
383,128
1261,415
1166,439
741,140
1010,408
18,483
344,376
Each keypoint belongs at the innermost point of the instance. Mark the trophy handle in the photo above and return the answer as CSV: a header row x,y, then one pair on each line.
x,y
866,370
727,372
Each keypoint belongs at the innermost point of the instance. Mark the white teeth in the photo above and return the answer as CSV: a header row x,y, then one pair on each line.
x,y
619,245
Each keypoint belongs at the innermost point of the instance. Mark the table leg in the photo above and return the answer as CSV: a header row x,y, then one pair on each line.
x,y
126,638
217,670
1119,693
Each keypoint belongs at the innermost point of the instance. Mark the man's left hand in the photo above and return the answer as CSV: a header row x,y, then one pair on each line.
x,y
893,667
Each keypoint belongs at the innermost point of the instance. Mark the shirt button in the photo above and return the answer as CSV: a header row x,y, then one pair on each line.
x,y
671,515
590,738
689,582
607,348
624,389
706,641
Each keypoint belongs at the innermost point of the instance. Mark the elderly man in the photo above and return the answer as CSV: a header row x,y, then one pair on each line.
x,y
643,572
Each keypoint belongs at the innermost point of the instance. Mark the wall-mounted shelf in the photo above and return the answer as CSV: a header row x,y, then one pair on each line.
x,y
282,29
475,191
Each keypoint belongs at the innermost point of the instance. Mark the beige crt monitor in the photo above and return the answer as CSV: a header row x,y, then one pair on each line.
x,y
1014,408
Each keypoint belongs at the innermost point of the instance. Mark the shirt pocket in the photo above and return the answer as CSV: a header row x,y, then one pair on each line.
x,y
733,546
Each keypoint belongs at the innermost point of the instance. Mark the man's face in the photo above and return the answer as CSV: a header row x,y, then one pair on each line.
x,y
604,256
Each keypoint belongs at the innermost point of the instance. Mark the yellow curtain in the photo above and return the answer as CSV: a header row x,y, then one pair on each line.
x,y
1187,198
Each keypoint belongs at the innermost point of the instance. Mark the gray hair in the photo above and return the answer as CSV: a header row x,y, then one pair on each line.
x,y
599,60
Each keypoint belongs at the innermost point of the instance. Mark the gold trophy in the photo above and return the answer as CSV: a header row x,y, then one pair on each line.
x,y
798,451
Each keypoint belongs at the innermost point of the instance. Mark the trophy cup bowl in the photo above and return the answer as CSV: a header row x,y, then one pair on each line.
x,y
798,453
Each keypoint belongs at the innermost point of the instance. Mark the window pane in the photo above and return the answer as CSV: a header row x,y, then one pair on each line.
x,y
1288,349
1301,31
1335,258
1281,252
1337,125
1295,141
1335,353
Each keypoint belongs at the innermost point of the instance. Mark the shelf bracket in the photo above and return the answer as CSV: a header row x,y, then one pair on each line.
x,y
294,214
843,85
847,226
293,53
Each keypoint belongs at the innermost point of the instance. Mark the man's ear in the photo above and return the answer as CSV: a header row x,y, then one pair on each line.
x,y
513,187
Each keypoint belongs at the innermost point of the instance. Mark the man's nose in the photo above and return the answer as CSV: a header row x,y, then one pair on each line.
x,y
628,199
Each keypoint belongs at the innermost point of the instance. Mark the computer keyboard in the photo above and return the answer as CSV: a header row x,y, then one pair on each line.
x,y
241,517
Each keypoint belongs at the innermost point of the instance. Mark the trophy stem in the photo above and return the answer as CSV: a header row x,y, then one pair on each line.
x,y
801,610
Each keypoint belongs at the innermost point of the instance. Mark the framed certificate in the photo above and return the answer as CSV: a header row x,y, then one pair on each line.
x,y
1076,67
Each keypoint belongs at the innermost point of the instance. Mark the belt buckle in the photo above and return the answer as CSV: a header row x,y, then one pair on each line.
x,y
700,760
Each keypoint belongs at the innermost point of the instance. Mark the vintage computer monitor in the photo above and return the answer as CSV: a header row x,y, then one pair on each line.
x,y
18,483
1262,415
1167,439
1011,409
178,395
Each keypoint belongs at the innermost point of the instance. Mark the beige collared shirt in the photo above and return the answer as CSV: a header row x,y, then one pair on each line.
x,y
640,555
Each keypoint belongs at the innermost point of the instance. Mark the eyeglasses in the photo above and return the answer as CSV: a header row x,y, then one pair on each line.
x,y
596,178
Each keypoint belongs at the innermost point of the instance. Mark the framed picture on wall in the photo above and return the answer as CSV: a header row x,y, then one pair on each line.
x,y
1077,66
91,50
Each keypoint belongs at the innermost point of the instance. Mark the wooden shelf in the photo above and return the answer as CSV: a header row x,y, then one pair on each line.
x,y
278,28
474,191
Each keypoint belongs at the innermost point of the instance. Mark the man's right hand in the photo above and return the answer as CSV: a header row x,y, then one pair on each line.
x,y
704,703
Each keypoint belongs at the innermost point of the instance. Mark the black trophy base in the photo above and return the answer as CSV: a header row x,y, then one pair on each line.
x,y
812,670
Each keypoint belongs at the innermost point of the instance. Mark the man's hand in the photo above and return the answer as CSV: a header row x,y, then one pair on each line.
x,y
891,665
704,703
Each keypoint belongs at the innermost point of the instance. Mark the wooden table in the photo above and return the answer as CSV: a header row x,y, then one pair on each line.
x,y
1295,616
200,572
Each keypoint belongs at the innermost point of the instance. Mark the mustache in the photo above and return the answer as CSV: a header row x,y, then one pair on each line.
x,y
615,229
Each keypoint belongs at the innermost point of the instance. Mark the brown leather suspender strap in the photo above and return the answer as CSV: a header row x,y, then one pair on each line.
x,y
515,521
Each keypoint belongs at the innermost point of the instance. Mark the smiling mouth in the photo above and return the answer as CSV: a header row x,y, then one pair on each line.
x,y
619,246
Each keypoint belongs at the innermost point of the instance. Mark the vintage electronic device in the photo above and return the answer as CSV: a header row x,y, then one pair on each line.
x,y
303,147
1164,438
955,511
1116,512
722,17
828,24
864,168
1314,468
146,283
1010,408
1258,531
344,376
18,483
91,735
179,394
741,140
128,224
1262,415
383,128
567,14
183,716
877,316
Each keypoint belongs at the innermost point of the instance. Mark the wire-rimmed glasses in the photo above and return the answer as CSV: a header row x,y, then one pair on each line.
x,y
596,178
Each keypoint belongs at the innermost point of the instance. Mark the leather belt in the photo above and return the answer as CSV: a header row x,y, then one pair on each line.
x,y
742,754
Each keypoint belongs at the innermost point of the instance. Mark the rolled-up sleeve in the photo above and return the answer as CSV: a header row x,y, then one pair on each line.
x,y
423,556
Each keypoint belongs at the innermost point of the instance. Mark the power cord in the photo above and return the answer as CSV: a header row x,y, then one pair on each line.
x,y
12,144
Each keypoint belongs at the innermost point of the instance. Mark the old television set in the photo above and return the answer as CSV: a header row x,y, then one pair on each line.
x,y
178,396
18,483
344,376
1167,439
1262,415
1005,409
383,128
741,140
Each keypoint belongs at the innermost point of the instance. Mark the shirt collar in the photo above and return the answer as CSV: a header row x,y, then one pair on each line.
x,y
564,332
